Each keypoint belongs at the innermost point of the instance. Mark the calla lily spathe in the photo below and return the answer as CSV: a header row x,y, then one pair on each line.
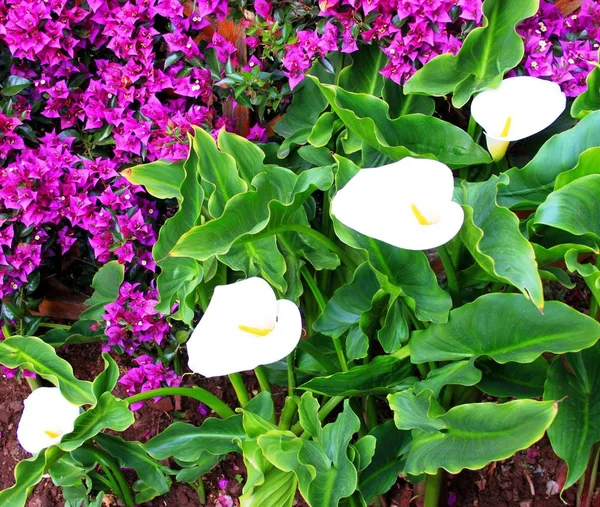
x,y
47,417
407,204
520,107
243,327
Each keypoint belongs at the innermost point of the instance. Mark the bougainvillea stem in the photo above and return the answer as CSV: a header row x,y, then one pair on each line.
x,y
202,395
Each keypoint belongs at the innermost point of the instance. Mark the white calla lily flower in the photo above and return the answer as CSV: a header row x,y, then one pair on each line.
x,y
243,327
520,107
47,417
407,204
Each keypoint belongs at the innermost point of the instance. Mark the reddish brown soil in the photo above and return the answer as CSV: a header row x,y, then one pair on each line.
x,y
504,484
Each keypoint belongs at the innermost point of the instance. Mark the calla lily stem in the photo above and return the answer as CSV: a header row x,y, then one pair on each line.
x,y
263,380
33,382
108,463
453,286
321,303
202,395
240,388
433,487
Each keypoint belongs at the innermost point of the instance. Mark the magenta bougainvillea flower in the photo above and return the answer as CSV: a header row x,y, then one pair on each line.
x,y
132,320
148,375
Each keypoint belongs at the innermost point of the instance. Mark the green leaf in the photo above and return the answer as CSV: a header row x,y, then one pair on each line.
x,y
277,490
271,210
327,124
589,272
380,376
325,474
80,332
577,426
106,284
249,158
186,442
14,85
573,208
161,178
33,354
220,178
307,105
179,277
505,327
261,405
395,328
475,434
401,104
486,54
110,413
365,449
589,100
409,135
588,163
106,381
513,380
363,75
177,281
382,472
308,413
28,473
416,411
529,186
461,373
492,235
345,308
133,455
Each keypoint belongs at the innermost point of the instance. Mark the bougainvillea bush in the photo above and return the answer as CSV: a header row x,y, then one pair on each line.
x,y
377,206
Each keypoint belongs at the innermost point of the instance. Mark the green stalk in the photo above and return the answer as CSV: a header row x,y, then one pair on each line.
x,y
201,491
580,489
453,286
240,388
371,411
33,382
433,488
288,412
402,353
307,231
472,128
50,325
263,380
107,461
312,285
291,374
197,393
592,486
112,486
